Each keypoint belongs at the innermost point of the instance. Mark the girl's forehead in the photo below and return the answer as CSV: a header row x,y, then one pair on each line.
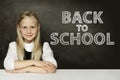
x,y
28,19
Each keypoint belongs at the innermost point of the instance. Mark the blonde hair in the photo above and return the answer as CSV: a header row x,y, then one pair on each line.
x,y
36,53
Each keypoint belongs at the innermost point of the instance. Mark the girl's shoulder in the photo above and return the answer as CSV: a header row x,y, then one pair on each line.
x,y
46,46
12,44
45,43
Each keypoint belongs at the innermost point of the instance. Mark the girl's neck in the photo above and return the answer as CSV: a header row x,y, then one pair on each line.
x,y
28,42
29,46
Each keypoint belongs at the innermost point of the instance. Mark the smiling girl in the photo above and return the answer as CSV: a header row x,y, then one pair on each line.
x,y
26,53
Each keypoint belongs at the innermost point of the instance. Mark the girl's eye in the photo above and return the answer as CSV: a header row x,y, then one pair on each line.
x,y
24,27
32,26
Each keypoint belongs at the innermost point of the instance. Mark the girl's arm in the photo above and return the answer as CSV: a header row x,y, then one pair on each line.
x,y
31,69
48,55
26,63
11,61
48,68
22,64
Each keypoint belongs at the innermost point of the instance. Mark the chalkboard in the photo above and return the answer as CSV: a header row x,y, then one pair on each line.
x,y
88,53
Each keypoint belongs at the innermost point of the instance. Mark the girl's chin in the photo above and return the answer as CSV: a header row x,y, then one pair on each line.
x,y
28,41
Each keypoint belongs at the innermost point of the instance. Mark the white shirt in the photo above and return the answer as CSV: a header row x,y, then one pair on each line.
x,y
11,56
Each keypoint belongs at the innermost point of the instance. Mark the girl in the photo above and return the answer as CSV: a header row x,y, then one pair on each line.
x,y
26,53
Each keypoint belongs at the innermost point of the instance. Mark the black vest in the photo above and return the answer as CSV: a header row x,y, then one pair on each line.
x,y
27,55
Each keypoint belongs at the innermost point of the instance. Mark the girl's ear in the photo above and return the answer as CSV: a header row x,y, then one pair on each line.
x,y
38,27
18,28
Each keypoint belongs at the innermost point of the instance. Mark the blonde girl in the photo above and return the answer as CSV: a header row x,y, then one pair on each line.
x,y
26,53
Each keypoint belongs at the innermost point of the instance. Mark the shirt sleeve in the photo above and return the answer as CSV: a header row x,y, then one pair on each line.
x,y
48,54
10,57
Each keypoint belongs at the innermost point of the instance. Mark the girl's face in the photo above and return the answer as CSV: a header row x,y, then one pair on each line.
x,y
28,28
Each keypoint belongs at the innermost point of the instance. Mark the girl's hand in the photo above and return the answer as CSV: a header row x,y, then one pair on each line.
x,y
49,67
40,63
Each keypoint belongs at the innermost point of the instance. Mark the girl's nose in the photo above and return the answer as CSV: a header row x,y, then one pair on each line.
x,y
28,30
